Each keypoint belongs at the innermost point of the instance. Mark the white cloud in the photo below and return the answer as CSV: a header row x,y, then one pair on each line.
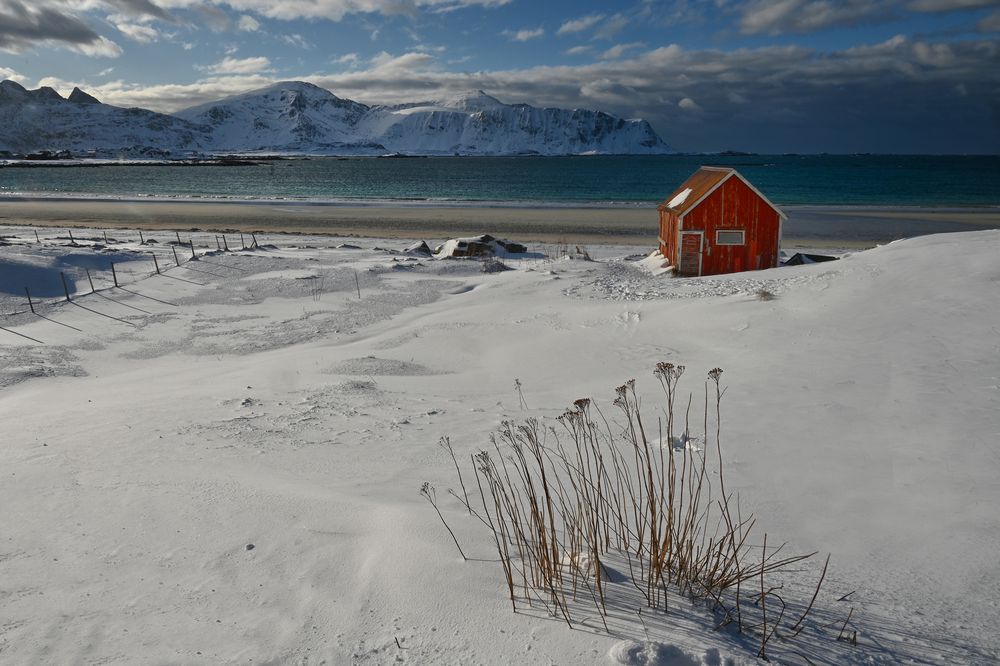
x,y
989,23
524,35
386,64
213,18
7,73
297,40
170,97
102,48
348,59
688,104
774,17
27,25
335,10
577,50
579,24
248,23
785,73
106,72
138,32
949,5
227,65
137,10
611,27
618,50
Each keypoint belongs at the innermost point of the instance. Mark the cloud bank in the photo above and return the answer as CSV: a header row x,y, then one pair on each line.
x,y
773,98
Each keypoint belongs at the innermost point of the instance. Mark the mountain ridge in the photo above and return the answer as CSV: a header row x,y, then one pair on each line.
x,y
301,118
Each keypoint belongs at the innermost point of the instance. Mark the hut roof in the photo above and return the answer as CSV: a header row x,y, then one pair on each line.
x,y
702,183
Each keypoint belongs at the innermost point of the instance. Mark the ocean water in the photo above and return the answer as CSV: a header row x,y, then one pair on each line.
x,y
871,180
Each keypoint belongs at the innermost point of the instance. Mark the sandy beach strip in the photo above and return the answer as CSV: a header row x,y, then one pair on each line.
x,y
812,226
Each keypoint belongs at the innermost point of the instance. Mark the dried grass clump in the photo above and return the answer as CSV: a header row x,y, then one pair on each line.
x,y
495,265
571,505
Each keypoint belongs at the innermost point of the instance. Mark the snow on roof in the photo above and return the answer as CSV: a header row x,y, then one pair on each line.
x,y
703,182
680,198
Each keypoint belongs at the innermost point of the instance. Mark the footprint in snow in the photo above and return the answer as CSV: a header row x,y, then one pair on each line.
x,y
651,653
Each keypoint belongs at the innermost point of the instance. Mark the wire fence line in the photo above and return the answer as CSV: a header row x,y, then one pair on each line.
x,y
171,260
166,256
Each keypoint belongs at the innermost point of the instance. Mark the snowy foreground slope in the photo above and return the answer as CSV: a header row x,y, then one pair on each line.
x,y
221,464
295,117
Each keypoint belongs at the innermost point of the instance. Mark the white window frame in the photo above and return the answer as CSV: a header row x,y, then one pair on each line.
x,y
741,232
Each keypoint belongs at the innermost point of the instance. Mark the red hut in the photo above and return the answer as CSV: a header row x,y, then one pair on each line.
x,y
717,222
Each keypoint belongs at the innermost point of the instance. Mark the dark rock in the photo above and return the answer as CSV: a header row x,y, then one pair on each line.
x,y
80,97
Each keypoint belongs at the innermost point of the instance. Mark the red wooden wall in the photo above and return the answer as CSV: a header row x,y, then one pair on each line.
x,y
732,206
668,235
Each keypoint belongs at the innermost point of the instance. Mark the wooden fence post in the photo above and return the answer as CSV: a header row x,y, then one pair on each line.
x,y
65,286
224,242
91,280
193,256
156,264
30,304
243,243
178,234
218,245
106,238
71,239
254,236
114,273
176,260
142,241
37,239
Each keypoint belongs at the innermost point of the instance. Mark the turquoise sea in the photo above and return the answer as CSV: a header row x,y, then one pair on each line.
x,y
871,180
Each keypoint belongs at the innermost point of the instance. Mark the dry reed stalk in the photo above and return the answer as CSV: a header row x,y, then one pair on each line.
x,y
763,602
430,494
559,502
446,445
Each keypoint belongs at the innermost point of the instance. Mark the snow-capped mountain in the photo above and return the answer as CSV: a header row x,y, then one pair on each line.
x,y
37,120
477,124
294,117
301,118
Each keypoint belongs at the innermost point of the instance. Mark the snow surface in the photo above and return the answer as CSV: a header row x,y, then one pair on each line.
x,y
680,198
655,263
221,464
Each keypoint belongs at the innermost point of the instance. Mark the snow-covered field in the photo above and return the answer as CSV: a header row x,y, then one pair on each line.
x,y
221,464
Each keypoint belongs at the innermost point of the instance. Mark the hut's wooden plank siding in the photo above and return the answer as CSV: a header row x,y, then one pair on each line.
x,y
731,206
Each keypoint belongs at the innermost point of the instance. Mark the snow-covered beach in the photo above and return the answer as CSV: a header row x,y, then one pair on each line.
x,y
807,226
221,463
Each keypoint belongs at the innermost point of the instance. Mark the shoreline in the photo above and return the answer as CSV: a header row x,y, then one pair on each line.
x,y
807,225
424,202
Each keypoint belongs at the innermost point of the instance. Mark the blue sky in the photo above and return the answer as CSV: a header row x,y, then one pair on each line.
x,y
767,76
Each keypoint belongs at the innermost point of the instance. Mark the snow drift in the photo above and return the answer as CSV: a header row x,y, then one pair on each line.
x,y
247,406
